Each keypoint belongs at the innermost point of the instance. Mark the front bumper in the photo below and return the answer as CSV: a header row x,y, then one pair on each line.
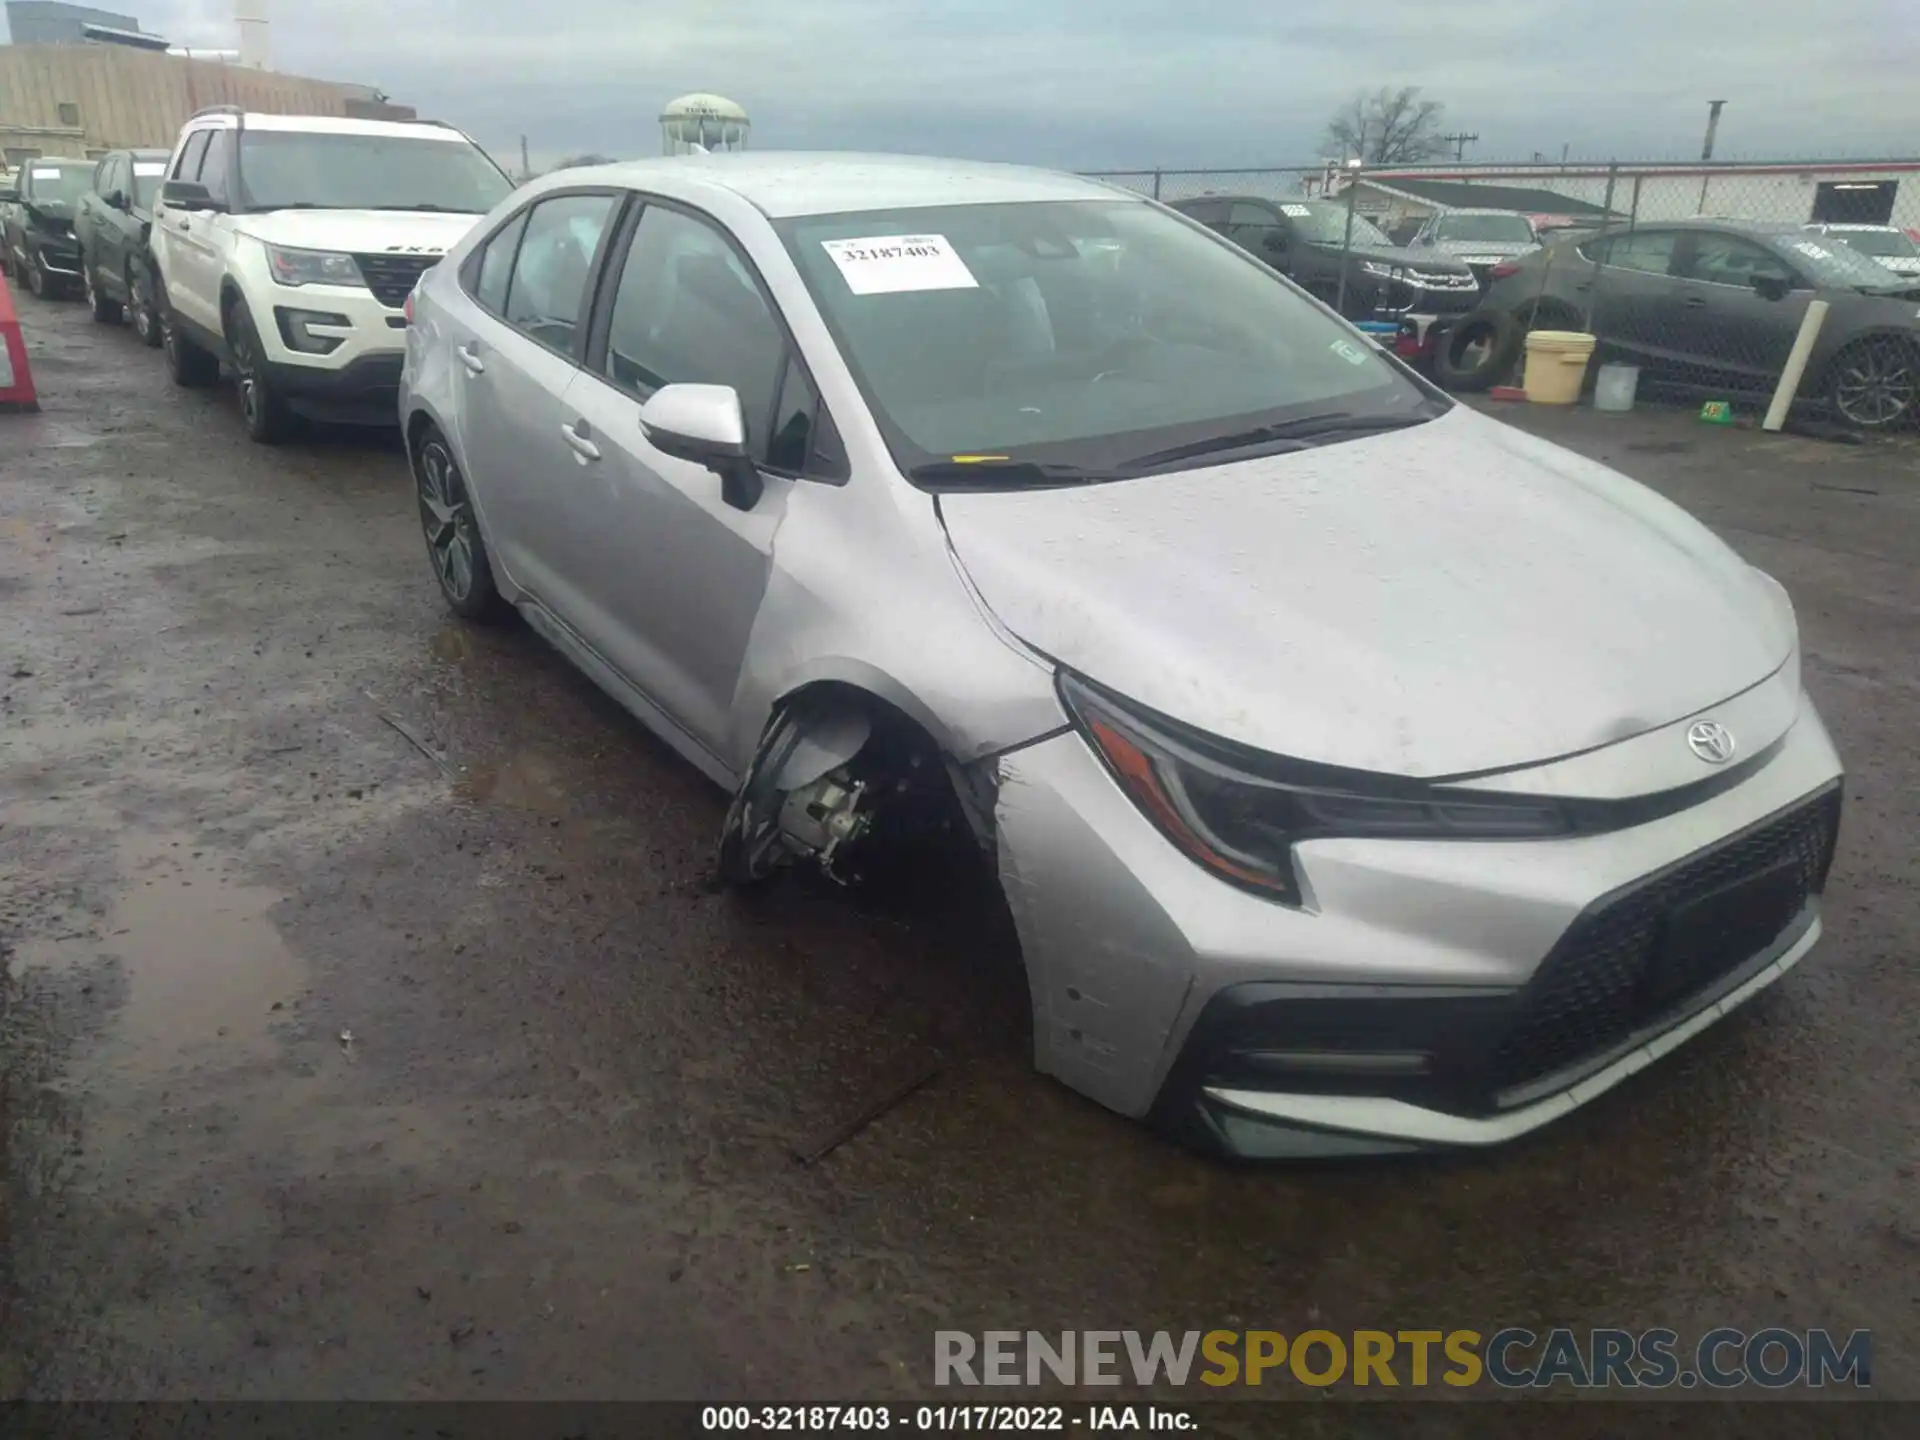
x,y
1432,994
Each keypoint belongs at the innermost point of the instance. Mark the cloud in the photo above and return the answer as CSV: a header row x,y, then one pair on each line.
x,y
1124,82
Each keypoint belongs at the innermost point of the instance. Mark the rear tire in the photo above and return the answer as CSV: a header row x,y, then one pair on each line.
x,y
190,367
455,547
140,306
270,418
105,311
39,284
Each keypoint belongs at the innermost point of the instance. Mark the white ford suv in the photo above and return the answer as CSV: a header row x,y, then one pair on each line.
x,y
287,246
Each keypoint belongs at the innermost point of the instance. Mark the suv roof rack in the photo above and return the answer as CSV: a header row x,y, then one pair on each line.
x,y
217,110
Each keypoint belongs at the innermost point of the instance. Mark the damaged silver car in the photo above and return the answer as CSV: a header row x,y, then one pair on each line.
x,y
1361,773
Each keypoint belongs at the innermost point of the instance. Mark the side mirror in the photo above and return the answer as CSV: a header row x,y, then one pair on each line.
x,y
1770,287
187,195
9,197
1274,242
703,424
117,200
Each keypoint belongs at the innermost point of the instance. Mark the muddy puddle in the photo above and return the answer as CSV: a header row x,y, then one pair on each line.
x,y
203,966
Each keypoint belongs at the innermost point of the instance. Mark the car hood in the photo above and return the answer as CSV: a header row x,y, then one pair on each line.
x,y
1454,598
360,232
1398,255
54,216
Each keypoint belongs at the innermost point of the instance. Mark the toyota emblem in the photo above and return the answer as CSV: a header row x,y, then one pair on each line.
x,y
1711,741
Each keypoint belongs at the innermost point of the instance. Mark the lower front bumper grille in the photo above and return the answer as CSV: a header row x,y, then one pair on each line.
x,y
1633,965
1665,939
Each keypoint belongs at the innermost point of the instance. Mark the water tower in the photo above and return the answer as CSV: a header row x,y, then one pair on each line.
x,y
711,122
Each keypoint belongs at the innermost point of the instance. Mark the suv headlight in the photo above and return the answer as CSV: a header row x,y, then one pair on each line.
x,y
313,267
1382,269
1239,812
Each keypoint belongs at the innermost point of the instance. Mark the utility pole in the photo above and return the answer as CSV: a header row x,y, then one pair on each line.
x,y
526,166
1459,143
1706,149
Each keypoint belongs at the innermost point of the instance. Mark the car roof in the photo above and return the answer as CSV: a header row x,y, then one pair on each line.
x,y
789,183
329,125
1479,210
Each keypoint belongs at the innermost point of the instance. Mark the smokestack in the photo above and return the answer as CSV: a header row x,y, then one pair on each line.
x,y
256,46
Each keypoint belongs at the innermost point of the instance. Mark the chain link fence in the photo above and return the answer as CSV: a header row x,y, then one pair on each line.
x,y
1702,276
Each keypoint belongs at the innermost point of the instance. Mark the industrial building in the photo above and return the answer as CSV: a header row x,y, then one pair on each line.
x,y
90,81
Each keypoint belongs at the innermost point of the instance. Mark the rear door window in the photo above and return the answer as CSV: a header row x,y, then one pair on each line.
x,y
188,166
1647,251
213,166
550,273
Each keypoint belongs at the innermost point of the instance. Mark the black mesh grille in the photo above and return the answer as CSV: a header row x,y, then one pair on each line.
x,y
1670,937
391,277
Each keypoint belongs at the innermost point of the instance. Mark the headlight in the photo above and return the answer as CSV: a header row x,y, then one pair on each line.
x,y
313,267
1383,270
1239,813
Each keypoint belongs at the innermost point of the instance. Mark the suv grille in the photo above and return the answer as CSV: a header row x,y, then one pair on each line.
x,y
392,277
1652,948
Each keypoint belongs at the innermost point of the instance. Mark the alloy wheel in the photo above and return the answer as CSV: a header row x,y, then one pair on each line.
x,y
446,515
246,355
1876,384
86,276
142,308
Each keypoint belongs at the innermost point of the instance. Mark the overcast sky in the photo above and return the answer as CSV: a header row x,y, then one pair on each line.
x,y
1085,83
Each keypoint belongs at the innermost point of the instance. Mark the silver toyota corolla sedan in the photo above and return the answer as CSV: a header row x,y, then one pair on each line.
x,y
1362,774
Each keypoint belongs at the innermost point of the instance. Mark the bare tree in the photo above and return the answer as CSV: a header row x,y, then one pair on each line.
x,y
1388,127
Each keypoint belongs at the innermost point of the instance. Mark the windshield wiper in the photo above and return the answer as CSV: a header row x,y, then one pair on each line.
x,y
1304,431
1002,475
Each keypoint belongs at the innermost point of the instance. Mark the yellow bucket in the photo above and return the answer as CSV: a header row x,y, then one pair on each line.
x,y
1556,364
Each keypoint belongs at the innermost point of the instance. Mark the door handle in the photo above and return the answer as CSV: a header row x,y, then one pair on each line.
x,y
1696,302
468,358
579,442
185,226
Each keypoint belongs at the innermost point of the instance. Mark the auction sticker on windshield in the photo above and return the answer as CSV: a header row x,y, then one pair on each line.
x,y
45,173
1295,210
146,169
890,264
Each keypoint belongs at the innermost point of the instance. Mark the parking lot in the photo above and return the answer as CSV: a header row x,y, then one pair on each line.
x,y
370,1027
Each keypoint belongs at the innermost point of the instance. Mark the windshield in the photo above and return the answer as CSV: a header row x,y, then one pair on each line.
x,y
1325,223
147,175
1829,263
1891,243
280,169
56,184
1074,333
1497,228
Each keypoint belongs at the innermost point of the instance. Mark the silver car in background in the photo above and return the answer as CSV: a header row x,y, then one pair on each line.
x,y
1478,239
1361,773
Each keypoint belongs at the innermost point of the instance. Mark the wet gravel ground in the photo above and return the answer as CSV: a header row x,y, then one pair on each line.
x,y
329,1067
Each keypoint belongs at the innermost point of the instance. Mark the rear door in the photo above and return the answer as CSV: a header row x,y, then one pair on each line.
x,y
106,237
1634,299
1739,336
517,357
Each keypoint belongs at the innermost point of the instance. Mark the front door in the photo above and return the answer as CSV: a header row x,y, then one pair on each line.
x,y
673,575
1740,336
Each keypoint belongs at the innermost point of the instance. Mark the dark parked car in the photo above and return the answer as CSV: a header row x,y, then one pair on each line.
x,y
37,239
1304,240
112,224
1713,307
